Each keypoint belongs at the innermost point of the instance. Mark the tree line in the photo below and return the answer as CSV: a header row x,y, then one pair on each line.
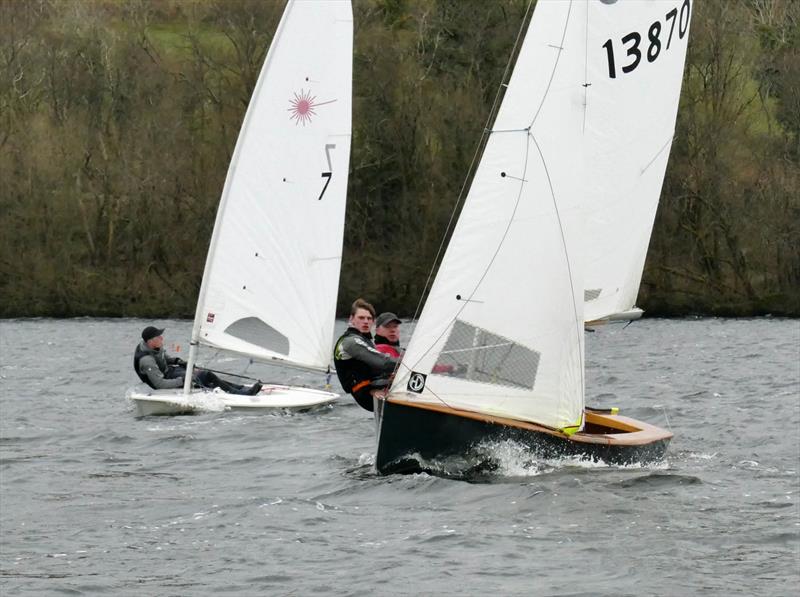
x,y
118,119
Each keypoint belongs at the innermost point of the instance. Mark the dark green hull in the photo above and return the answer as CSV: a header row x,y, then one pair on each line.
x,y
414,438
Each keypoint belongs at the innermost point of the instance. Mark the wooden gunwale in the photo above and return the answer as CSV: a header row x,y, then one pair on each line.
x,y
630,432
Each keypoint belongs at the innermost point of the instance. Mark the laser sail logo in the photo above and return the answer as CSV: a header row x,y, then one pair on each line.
x,y
303,107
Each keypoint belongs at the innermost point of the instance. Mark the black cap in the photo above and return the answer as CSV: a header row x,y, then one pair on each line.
x,y
385,318
151,332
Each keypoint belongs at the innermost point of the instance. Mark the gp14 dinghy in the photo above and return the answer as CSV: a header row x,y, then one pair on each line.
x,y
553,234
272,272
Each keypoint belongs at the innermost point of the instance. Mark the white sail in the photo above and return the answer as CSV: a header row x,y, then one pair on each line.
x,y
634,67
502,330
272,272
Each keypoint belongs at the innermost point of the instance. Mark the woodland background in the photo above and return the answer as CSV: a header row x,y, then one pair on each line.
x,y
118,119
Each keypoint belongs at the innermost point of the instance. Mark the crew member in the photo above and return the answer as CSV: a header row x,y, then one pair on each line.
x,y
363,371
161,371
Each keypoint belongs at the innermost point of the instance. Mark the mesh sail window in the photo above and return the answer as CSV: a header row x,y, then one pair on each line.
x,y
255,331
590,295
478,355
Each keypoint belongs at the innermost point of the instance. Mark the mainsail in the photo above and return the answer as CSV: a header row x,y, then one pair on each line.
x,y
272,272
502,329
638,51
555,227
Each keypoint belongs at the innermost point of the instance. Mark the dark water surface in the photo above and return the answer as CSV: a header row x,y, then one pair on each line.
x,y
95,501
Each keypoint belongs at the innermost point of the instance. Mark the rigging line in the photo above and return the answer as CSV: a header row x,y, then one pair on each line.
x,y
478,147
228,373
569,267
664,410
560,49
213,359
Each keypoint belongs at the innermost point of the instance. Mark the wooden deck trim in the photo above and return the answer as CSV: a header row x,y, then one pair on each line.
x,y
632,432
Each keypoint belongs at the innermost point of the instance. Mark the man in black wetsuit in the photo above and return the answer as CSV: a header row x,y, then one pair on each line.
x,y
161,372
361,368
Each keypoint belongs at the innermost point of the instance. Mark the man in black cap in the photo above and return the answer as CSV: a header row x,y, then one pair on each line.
x,y
162,372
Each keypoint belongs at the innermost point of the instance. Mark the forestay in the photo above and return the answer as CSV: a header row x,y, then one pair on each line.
x,y
502,330
634,70
272,272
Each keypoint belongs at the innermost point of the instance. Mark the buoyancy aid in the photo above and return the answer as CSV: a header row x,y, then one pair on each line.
x,y
353,374
387,346
142,350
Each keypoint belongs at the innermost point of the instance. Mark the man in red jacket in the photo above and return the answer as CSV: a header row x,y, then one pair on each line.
x,y
387,334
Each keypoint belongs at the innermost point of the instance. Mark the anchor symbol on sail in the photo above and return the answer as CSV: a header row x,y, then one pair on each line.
x,y
416,383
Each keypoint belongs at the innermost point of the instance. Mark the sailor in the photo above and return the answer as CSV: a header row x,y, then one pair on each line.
x,y
362,370
387,334
162,372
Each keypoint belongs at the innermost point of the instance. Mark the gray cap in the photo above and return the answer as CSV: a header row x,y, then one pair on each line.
x,y
385,318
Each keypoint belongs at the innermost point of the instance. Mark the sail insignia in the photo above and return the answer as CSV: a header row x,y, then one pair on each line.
x,y
477,355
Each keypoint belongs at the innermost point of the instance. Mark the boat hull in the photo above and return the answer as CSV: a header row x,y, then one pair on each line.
x,y
271,398
412,435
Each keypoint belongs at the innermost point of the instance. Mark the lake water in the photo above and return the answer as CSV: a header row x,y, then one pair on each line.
x,y
95,501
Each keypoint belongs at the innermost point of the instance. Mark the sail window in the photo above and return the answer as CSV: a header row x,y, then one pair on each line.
x,y
478,355
591,294
255,331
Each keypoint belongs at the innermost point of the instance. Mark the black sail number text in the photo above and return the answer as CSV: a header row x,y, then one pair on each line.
x,y
658,39
327,175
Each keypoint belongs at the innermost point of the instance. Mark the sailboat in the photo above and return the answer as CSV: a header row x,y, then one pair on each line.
x,y
552,235
272,272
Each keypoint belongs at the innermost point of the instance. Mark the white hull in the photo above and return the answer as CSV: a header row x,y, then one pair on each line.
x,y
271,398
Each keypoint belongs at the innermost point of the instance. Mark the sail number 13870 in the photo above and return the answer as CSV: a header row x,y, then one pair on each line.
x,y
657,37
